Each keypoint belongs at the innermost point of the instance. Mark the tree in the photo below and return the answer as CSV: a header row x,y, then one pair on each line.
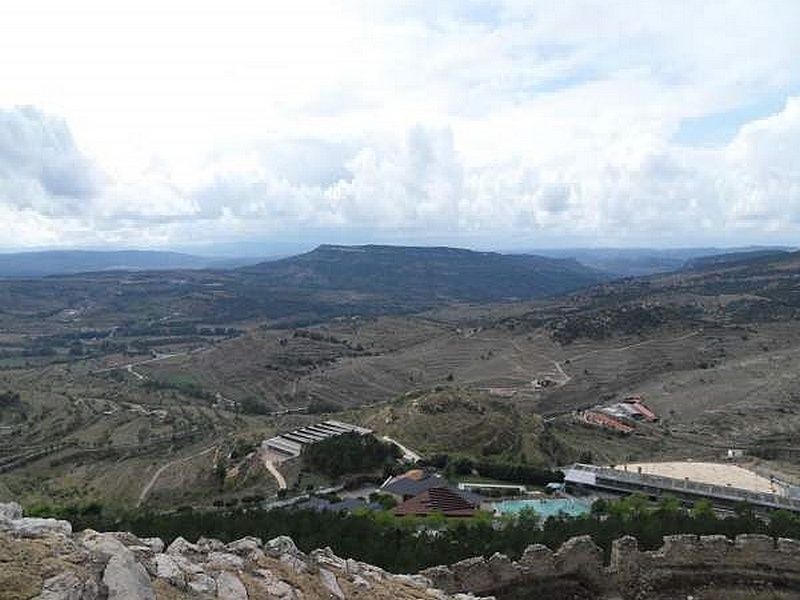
x,y
348,453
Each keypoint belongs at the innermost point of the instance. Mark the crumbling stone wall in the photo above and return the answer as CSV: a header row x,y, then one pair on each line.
x,y
686,561
683,561
578,559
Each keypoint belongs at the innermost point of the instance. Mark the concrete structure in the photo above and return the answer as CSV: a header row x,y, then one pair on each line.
x,y
683,564
290,445
500,487
590,477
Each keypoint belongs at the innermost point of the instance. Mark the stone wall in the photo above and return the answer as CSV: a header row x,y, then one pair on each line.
x,y
683,561
687,561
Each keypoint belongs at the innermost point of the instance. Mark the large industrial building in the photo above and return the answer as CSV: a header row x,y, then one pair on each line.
x,y
290,445
763,496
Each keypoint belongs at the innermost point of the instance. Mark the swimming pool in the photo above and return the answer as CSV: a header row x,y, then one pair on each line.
x,y
544,507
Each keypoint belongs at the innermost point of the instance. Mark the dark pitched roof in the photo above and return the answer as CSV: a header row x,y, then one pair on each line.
x,y
405,485
471,497
346,505
436,500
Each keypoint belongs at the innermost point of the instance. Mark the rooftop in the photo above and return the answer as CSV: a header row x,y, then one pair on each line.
x,y
437,500
706,472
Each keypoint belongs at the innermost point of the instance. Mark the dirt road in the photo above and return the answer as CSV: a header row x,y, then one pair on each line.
x,y
163,468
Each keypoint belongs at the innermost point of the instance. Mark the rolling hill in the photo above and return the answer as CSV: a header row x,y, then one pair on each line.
x,y
427,273
62,262
159,373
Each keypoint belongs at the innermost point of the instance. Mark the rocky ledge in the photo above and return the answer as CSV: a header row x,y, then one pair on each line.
x,y
45,560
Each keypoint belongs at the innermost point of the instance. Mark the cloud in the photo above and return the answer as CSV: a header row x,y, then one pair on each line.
x,y
413,184
420,186
410,183
560,122
762,171
41,168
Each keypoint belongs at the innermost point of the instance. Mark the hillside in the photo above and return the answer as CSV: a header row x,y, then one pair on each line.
x,y
427,274
62,262
458,422
721,260
155,376
639,262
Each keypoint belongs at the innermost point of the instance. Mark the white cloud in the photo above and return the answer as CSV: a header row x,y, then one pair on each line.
x,y
526,120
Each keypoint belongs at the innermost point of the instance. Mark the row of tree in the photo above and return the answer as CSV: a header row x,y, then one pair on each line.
x,y
512,472
409,544
349,453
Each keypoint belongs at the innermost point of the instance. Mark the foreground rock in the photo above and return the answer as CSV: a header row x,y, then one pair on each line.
x,y
43,559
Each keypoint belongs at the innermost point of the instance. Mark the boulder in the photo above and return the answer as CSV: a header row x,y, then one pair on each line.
x,y
580,556
182,547
10,511
327,558
504,572
186,565
202,583
274,587
33,527
168,569
330,583
127,579
248,548
66,586
224,560
206,545
124,577
294,563
281,545
230,587
245,545
155,544
538,561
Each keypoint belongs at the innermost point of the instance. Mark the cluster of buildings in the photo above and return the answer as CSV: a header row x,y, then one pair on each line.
x,y
423,493
419,492
623,417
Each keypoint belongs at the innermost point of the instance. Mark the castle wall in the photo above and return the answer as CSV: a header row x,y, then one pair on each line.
x,y
682,561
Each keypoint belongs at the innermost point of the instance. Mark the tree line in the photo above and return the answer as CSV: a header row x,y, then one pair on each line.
x,y
409,544
349,453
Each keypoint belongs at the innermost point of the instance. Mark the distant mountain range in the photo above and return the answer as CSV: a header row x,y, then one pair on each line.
x,y
342,266
63,262
635,262
733,258
328,282
433,273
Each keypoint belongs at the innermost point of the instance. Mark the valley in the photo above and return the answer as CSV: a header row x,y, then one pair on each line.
x,y
148,405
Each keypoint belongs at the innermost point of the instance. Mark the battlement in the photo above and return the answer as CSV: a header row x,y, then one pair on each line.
x,y
682,560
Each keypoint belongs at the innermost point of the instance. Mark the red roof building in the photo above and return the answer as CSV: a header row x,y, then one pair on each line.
x,y
436,501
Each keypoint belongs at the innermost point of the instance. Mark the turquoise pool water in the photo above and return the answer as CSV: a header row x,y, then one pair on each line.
x,y
545,507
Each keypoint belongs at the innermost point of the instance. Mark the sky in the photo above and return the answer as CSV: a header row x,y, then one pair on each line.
x,y
492,124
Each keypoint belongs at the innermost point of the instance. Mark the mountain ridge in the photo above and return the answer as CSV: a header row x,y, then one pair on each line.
x,y
42,263
440,272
